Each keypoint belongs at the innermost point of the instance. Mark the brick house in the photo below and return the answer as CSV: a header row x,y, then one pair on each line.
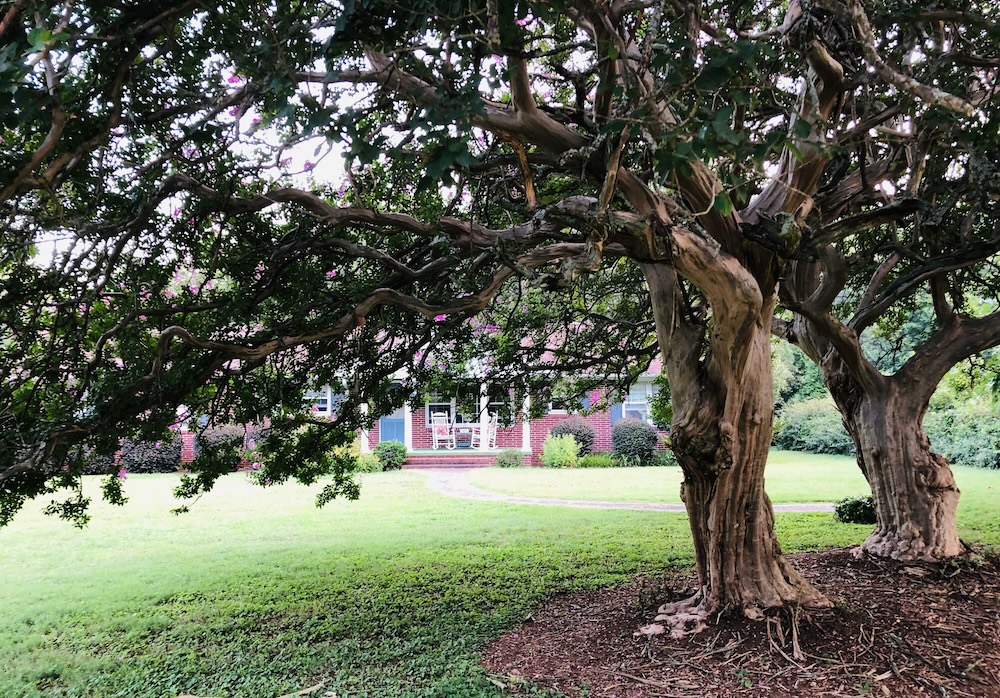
x,y
412,426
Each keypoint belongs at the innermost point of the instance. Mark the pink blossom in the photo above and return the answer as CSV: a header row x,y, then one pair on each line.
x,y
309,165
169,293
176,213
525,21
142,317
286,161
440,318
174,427
255,466
122,474
234,111
234,80
332,273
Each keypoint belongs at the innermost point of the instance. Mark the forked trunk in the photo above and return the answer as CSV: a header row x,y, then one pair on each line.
x,y
721,432
914,490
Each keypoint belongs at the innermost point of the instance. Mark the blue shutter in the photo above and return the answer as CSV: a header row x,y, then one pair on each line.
x,y
585,402
616,412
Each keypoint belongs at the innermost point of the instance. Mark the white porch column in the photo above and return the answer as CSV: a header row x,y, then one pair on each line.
x,y
526,426
484,417
407,426
365,448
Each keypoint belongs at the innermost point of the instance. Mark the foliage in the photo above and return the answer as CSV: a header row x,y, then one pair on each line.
x,y
580,429
812,426
661,409
966,434
368,463
855,510
560,452
229,437
391,454
664,458
509,458
151,456
634,441
598,459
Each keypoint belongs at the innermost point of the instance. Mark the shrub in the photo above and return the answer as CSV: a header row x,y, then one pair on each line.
x,y
580,429
560,451
598,460
967,434
813,426
634,441
368,463
391,454
228,436
509,458
663,459
859,510
162,456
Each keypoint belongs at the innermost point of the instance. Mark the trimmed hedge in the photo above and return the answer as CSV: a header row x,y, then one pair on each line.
x,y
227,436
509,458
162,456
580,429
633,440
391,454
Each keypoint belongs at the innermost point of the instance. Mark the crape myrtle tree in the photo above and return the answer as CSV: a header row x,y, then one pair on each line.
x,y
158,253
907,220
943,249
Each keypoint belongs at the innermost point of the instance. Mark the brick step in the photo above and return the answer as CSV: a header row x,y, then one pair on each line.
x,y
449,461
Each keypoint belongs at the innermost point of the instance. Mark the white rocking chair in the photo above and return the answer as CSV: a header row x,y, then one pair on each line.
x,y
442,432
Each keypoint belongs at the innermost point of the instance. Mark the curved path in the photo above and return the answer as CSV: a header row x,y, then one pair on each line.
x,y
453,483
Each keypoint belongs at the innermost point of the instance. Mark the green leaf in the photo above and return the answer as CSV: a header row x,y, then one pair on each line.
x,y
723,205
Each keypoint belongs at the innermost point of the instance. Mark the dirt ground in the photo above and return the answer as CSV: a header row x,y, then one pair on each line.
x,y
895,630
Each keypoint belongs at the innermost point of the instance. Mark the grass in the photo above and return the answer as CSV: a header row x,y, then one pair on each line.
x,y
258,593
790,477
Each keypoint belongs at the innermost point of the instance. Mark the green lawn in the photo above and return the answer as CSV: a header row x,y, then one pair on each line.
x,y
790,477
257,593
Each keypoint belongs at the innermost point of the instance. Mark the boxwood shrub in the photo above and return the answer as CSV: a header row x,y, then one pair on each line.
x,y
634,441
391,454
859,510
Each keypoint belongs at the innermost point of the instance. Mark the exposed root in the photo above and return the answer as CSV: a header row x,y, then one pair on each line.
x,y
683,618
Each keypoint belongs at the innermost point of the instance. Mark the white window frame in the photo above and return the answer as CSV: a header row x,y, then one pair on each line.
x,y
637,401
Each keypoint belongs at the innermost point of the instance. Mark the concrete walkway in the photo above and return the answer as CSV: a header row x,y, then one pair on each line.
x,y
453,483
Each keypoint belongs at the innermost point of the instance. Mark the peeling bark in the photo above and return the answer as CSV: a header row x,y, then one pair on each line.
x,y
721,433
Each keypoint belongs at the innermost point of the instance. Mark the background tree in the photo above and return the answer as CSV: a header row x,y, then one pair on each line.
x,y
905,288
492,150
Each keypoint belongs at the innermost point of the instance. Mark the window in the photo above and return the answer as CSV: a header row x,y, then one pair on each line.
x,y
636,403
324,402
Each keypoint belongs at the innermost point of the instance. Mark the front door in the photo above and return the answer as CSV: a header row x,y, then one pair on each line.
x,y
392,426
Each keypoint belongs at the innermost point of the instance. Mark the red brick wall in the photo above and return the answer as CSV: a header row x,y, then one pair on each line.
x,y
540,428
187,446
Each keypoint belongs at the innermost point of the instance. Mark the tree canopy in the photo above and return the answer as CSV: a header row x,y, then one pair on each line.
x,y
559,186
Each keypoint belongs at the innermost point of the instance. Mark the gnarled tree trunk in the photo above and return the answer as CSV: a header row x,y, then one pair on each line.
x,y
915,495
721,432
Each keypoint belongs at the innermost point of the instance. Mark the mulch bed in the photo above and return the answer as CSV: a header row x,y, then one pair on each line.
x,y
895,630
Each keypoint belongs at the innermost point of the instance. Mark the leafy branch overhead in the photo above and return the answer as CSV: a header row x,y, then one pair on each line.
x,y
214,209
